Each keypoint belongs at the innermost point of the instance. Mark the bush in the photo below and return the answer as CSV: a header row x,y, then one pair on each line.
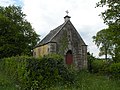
x,y
110,69
90,59
37,73
114,70
99,66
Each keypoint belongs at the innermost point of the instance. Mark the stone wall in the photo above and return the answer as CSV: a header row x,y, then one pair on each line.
x,y
67,38
41,50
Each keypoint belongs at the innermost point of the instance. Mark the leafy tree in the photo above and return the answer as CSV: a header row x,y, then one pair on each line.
x,y
17,37
102,40
112,13
111,17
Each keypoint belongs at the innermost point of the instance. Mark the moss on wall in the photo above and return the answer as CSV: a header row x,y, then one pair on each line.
x,y
63,43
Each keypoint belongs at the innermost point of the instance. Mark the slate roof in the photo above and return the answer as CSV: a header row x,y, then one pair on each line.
x,y
48,38
50,35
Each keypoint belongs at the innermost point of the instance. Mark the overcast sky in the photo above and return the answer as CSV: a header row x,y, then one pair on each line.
x,y
45,15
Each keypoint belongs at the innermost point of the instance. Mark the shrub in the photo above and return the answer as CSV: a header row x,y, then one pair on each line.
x,y
99,66
90,59
114,70
15,68
37,73
50,70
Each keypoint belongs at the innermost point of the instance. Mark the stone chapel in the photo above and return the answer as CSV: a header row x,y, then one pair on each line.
x,y
66,41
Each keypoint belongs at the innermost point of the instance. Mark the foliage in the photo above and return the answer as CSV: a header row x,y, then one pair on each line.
x,y
111,17
48,72
108,68
37,73
17,37
102,40
114,70
63,43
90,59
99,66
85,81
6,83
115,37
15,68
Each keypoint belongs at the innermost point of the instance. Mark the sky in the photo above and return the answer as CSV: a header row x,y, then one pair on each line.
x,y
45,15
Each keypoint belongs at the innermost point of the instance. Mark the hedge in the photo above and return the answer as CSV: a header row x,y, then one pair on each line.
x,y
114,70
108,68
31,73
99,66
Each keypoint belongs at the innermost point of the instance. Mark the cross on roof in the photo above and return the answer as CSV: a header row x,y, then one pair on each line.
x,y
67,12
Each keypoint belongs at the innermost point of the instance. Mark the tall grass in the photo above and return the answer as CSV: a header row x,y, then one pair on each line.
x,y
87,81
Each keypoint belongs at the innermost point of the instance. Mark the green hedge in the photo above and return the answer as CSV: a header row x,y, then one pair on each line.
x,y
114,70
109,69
15,68
99,66
37,73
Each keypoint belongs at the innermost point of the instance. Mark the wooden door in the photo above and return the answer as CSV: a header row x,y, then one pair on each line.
x,y
69,57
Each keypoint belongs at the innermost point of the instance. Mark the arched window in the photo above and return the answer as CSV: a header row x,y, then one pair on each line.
x,y
69,57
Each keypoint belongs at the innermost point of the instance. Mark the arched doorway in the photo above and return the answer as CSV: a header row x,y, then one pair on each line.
x,y
69,57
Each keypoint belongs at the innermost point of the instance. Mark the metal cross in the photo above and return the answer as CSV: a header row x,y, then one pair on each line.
x,y
67,12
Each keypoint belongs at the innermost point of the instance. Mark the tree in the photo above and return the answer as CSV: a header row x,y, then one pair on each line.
x,y
111,17
112,13
17,37
102,40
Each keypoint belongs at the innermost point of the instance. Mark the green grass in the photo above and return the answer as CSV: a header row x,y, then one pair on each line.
x,y
88,81
85,81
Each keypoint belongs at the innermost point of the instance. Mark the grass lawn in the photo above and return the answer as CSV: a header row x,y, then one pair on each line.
x,y
85,81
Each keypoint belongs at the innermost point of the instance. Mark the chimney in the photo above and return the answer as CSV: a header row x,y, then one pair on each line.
x,y
67,18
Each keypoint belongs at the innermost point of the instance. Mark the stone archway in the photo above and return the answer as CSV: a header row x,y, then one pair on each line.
x,y
69,57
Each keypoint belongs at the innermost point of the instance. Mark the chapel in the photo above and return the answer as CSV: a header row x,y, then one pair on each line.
x,y
64,40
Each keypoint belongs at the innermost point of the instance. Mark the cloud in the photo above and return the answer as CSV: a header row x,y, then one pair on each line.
x,y
46,15
11,2
6,2
87,32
